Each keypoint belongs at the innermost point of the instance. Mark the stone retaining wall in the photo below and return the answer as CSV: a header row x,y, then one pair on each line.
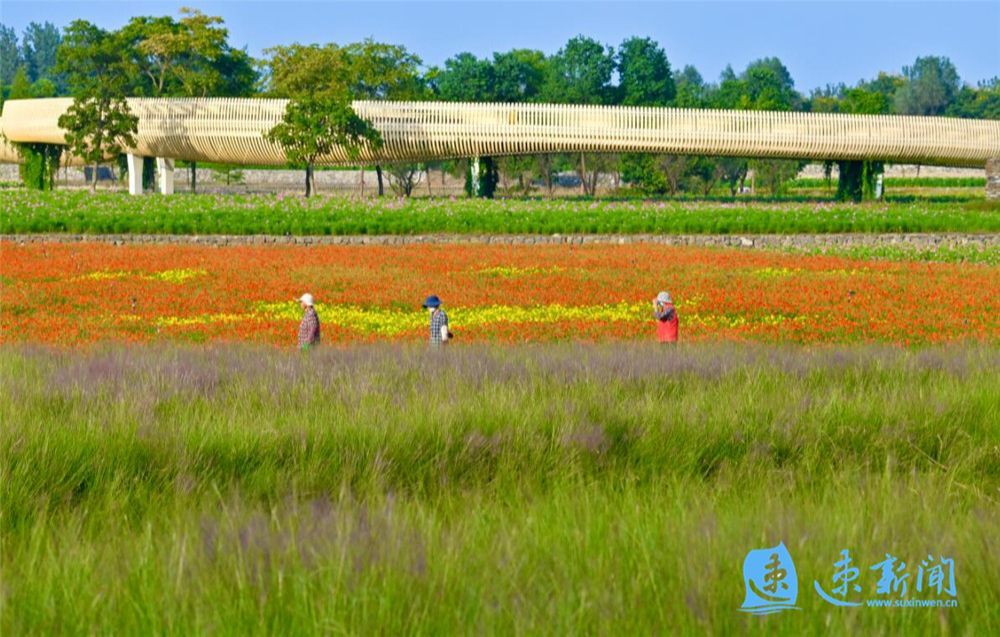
x,y
805,241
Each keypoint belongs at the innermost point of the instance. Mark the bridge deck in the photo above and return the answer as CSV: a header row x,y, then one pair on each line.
x,y
231,130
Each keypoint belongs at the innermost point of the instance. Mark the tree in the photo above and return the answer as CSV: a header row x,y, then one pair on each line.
x,y
981,102
732,172
40,162
826,100
776,173
314,126
642,170
644,74
44,88
379,71
98,125
644,80
856,179
182,57
466,78
89,57
690,89
518,75
580,73
38,50
189,57
730,92
298,71
673,168
864,101
516,173
20,87
10,55
768,86
885,84
404,177
931,86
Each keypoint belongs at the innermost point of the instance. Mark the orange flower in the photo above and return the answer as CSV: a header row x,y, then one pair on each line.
x,y
83,293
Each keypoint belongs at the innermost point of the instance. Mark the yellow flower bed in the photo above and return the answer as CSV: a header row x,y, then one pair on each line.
x,y
169,276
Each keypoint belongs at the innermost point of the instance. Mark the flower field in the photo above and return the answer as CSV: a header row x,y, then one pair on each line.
x,y
72,294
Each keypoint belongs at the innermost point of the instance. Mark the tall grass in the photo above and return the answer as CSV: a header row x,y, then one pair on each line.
x,y
550,489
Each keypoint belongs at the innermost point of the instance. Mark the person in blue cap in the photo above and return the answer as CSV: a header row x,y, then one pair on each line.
x,y
439,321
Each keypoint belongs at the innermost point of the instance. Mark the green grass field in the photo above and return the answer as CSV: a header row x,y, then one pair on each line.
x,y
564,489
114,213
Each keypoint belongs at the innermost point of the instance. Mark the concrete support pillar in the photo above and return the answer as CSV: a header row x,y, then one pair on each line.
x,y
993,178
134,174
165,170
474,168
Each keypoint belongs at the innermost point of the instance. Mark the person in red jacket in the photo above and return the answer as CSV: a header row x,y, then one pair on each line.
x,y
666,318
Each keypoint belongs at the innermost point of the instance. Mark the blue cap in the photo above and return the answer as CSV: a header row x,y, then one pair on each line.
x,y
432,301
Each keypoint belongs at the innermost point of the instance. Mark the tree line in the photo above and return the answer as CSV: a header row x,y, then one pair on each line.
x,y
191,56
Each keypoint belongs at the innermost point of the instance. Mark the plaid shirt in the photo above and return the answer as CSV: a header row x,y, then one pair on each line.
x,y
309,329
438,319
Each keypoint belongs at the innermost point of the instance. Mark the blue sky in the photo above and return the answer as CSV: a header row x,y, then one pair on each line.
x,y
820,42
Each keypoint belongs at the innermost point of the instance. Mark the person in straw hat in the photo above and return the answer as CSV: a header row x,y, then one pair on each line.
x,y
309,328
666,318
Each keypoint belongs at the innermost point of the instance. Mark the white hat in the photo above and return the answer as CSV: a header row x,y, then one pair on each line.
x,y
307,299
663,297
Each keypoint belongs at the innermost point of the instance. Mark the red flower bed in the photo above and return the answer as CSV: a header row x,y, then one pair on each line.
x,y
84,293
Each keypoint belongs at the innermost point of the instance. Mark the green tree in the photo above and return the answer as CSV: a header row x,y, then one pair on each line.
x,y
580,73
518,75
690,89
856,178
768,86
644,74
885,84
10,55
645,79
189,57
931,85
827,99
99,125
89,56
981,102
39,165
306,70
731,91
313,126
862,101
44,88
39,46
775,174
379,71
20,87
466,78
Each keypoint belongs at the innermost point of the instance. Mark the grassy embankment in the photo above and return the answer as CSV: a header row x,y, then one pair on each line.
x,y
80,212
550,489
